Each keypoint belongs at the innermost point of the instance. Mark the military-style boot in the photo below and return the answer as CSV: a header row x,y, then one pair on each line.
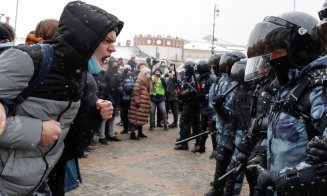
x,y
133,136
181,147
200,144
141,135
172,125
217,188
198,149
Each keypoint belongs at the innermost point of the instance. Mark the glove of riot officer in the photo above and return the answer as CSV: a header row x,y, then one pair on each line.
x,y
265,181
244,148
218,101
317,150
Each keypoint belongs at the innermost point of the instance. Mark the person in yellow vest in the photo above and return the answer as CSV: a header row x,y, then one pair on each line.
x,y
158,98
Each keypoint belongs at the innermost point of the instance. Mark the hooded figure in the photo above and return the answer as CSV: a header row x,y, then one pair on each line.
x,y
25,161
5,39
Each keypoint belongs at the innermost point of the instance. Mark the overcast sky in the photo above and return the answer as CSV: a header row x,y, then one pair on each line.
x,y
189,19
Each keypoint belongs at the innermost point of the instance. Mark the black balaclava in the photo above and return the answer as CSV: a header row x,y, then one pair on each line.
x,y
281,67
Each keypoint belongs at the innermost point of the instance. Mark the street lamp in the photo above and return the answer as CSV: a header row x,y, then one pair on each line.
x,y
215,15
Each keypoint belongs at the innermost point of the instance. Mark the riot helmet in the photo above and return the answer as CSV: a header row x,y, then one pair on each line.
x,y
189,68
202,67
213,62
292,34
238,70
228,59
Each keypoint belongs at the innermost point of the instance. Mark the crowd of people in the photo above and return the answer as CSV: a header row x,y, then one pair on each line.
x,y
266,112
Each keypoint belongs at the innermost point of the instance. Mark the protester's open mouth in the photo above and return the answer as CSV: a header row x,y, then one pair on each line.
x,y
104,60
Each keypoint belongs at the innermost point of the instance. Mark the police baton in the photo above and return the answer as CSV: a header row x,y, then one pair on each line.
x,y
191,138
223,96
175,72
231,89
230,172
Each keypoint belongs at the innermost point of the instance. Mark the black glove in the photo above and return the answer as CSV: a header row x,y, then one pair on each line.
x,y
265,179
218,101
242,153
244,148
317,150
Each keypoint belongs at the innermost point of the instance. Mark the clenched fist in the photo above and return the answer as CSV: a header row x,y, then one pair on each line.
x,y
51,131
106,108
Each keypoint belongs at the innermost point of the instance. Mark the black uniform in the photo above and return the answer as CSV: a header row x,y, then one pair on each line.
x,y
205,81
190,116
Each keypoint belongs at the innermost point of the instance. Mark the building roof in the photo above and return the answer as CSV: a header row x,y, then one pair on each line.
x,y
203,45
127,52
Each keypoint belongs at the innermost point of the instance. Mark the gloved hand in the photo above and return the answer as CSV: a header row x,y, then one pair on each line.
x,y
218,101
244,148
265,179
241,157
257,161
317,150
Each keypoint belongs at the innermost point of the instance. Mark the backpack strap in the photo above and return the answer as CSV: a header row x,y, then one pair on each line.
x,y
297,103
47,54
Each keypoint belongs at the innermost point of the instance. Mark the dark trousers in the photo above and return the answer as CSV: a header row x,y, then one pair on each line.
x,y
57,179
205,119
190,118
173,105
124,114
223,159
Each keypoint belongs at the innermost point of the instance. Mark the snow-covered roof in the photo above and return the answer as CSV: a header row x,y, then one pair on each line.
x,y
236,48
128,52
123,52
199,45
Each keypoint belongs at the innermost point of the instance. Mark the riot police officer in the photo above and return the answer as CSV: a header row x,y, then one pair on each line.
x,y
289,43
225,135
205,79
189,95
213,62
240,117
252,150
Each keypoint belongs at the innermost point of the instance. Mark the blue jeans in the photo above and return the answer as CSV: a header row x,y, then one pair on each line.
x,y
162,109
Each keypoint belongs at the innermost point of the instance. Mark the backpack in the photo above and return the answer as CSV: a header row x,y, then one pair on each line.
x,y
128,86
10,105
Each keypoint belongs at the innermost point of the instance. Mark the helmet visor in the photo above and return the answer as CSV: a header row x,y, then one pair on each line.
x,y
257,67
265,38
